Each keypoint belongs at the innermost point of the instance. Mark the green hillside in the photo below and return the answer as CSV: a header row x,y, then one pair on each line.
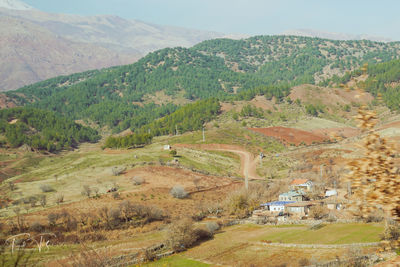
x,y
42,130
118,97
381,79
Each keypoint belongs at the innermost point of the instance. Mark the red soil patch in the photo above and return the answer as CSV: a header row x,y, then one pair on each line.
x,y
5,102
261,102
345,132
328,96
258,102
167,177
291,135
395,124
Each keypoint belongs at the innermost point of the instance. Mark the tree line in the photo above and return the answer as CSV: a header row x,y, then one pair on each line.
x,y
42,130
187,118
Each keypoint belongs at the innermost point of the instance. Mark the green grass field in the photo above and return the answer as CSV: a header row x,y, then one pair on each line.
x,y
241,243
329,234
176,261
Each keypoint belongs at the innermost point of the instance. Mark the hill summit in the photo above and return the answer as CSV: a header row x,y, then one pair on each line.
x,y
14,4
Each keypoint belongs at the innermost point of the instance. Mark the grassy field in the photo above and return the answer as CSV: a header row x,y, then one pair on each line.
x,y
329,234
69,171
241,244
232,134
176,261
316,123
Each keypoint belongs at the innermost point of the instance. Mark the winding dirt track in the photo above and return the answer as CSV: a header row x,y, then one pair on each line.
x,y
248,162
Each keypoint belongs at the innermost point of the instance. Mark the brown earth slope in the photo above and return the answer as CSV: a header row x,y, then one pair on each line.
x,y
291,135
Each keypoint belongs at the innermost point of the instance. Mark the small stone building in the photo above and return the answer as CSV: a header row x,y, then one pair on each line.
x,y
292,196
299,208
301,184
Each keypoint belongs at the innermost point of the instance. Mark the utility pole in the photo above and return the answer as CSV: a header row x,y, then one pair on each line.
x,y
246,179
204,135
321,170
349,188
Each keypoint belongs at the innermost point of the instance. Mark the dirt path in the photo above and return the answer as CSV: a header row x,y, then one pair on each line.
x,y
248,162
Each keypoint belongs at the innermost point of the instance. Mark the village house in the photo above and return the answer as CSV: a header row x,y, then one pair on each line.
x,y
333,203
167,147
301,184
276,206
299,208
292,196
329,193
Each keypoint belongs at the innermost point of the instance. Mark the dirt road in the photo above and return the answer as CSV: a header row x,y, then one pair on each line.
x,y
248,162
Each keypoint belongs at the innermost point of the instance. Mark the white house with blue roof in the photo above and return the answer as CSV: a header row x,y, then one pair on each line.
x,y
276,206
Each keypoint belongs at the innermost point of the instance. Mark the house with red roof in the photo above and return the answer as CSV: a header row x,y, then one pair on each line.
x,y
301,184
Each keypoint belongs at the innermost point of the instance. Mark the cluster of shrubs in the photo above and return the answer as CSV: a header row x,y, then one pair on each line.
x,y
123,215
182,234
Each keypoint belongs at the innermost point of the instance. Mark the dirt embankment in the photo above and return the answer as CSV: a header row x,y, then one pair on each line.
x,y
248,161
5,102
291,135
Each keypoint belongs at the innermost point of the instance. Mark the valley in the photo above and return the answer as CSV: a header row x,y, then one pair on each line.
x,y
271,150
211,172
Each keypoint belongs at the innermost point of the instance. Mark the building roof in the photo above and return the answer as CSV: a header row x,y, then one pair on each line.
x,y
291,194
301,204
329,193
299,181
277,203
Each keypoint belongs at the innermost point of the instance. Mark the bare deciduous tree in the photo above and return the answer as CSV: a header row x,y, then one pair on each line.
x,y
86,191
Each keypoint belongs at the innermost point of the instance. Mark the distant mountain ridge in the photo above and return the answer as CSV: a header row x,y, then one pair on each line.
x,y
14,4
133,95
36,45
335,35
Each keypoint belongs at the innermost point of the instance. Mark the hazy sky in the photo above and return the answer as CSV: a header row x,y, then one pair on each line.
x,y
372,17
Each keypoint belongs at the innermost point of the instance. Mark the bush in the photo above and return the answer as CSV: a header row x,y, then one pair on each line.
x,y
33,200
86,191
318,212
118,170
181,235
46,188
241,203
137,180
392,232
304,262
173,153
89,257
178,192
93,237
52,218
59,199
212,227
202,234
147,214
43,200
37,227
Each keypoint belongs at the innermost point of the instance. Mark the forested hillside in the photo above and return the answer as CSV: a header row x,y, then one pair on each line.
x,y
187,118
381,79
121,97
297,59
42,130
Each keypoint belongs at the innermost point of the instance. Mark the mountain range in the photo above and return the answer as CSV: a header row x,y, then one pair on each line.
x,y
335,35
36,45
159,84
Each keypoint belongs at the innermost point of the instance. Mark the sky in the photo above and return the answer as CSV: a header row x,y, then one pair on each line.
x,y
252,17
